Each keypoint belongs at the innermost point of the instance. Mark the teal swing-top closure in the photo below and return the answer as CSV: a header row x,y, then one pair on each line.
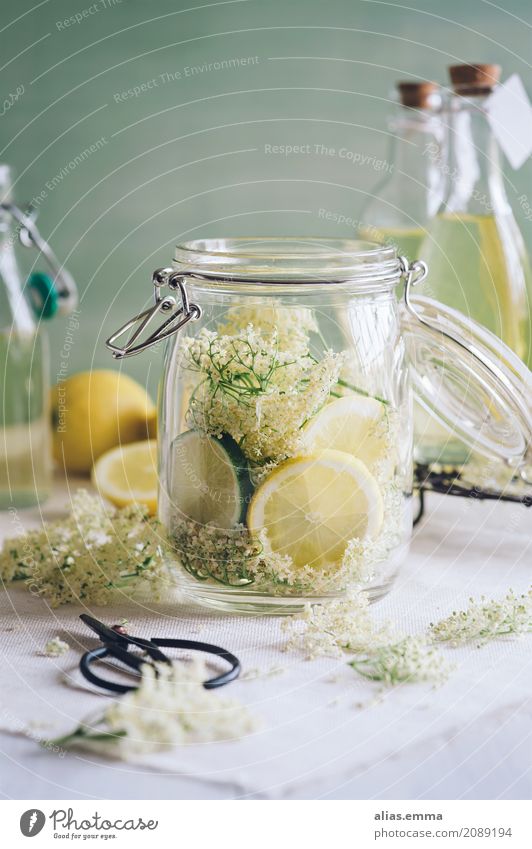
x,y
43,295
49,294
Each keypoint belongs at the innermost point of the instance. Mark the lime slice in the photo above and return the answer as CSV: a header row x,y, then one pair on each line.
x,y
354,424
209,479
311,507
128,474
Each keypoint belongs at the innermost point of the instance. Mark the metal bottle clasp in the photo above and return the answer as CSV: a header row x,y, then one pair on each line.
x,y
29,237
180,314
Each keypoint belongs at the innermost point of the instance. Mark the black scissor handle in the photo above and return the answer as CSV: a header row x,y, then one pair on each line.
x,y
208,648
135,662
131,660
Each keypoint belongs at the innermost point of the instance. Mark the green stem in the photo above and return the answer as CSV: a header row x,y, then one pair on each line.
x,y
80,734
360,391
22,576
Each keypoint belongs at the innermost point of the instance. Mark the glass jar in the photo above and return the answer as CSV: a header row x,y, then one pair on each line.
x,y
285,420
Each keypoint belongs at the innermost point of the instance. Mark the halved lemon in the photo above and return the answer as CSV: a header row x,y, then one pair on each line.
x,y
354,424
311,507
128,474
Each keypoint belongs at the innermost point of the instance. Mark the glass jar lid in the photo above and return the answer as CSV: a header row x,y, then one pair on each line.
x,y
279,260
470,382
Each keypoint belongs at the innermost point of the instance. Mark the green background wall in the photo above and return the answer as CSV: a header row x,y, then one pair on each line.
x,y
186,156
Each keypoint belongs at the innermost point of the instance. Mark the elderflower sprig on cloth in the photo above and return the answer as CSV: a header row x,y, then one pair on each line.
x,y
333,628
486,620
337,628
88,554
256,390
170,708
411,659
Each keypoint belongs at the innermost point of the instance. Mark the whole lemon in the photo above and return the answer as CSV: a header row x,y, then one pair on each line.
x,y
94,411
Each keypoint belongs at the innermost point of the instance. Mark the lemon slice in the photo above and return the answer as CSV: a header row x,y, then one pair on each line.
x,y
354,424
210,480
128,474
311,507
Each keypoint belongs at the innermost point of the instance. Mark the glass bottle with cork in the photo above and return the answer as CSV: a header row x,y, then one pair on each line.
x,y
406,199
474,248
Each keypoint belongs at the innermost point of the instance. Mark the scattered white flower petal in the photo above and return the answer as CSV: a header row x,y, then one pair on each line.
x,y
256,674
56,647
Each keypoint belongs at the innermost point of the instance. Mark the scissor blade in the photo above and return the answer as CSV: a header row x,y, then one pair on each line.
x,y
107,635
126,657
151,649
111,638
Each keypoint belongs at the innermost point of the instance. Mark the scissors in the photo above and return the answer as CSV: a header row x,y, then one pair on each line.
x,y
116,642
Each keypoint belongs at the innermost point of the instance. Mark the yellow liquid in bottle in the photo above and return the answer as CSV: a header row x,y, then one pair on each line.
x,y
407,241
25,450
475,266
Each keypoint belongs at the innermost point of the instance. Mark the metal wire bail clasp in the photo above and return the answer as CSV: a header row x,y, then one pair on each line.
x,y
30,237
413,275
180,314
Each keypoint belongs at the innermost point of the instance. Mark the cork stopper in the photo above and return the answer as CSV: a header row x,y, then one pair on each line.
x,y
475,78
417,95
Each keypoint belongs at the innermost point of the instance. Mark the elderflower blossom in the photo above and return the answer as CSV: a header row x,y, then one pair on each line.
x,y
292,325
234,557
486,620
255,390
411,659
225,555
334,627
170,708
88,554
340,627
56,647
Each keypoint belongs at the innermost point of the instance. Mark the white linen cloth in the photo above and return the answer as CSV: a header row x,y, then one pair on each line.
x,y
325,732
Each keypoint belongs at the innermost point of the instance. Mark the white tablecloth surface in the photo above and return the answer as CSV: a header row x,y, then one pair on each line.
x,y
323,734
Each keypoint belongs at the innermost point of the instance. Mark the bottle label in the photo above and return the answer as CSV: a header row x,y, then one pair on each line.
x,y
510,116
